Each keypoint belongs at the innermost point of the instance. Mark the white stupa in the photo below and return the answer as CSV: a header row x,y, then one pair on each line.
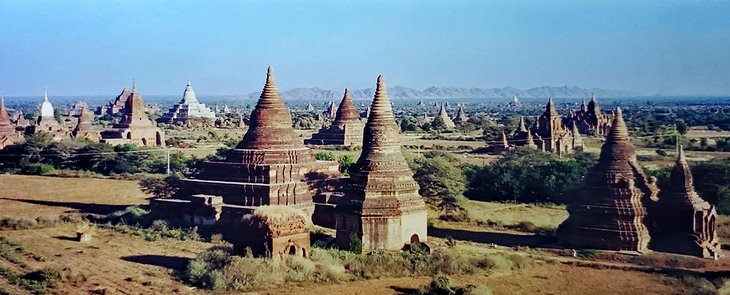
x,y
188,109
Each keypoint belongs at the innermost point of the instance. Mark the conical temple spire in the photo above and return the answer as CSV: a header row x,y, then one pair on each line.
x,y
681,177
189,94
521,126
4,117
45,95
550,108
380,109
346,112
619,132
270,122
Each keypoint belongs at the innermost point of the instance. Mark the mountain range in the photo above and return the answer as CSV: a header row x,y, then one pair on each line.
x,y
400,92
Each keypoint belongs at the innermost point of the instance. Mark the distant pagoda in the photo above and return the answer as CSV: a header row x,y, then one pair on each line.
x,y
346,129
84,127
381,206
47,123
8,134
448,123
188,111
461,116
135,128
610,212
117,105
686,224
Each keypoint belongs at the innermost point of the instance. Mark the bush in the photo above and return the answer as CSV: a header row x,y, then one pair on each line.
x,y
325,156
38,169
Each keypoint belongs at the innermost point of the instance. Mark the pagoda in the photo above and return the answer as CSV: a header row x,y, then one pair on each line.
x,y
549,132
135,128
346,129
117,105
84,128
381,206
188,111
47,123
269,166
590,119
686,224
460,117
448,123
8,134
610,212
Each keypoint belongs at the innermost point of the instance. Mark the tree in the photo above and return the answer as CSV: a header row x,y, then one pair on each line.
x,y
438,124
529,176
346,161
441,179
408,124
160,187
681,127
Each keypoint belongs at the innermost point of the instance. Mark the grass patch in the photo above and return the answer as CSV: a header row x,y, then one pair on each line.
x,y
217,269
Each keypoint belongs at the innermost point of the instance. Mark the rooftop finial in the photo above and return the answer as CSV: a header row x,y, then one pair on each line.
x,y
270,72
189,82
45,94
134,85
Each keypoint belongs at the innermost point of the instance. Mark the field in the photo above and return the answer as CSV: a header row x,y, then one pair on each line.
x,y
118,263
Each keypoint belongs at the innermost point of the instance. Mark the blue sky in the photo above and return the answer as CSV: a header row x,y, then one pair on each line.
x,y
98,47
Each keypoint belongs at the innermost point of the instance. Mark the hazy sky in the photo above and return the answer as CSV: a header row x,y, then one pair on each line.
x,y
97,47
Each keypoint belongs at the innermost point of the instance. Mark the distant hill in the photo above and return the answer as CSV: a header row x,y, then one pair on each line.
x,y
398,92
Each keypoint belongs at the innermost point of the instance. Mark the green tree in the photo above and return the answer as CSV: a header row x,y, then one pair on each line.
x,y
346,161
438,124
441,179
408,124
681,126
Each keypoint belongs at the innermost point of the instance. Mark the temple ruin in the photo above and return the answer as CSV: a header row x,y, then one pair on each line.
x,y
549,133
346,129
8,134
448,123
461,116
188,111
685,223
135,128
84,127
269,166
272,231
589,119
117,105
610,212
381,206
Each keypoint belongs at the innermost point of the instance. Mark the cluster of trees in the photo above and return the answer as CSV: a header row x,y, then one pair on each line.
x,y
39,154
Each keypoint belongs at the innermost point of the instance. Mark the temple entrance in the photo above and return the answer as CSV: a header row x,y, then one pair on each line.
x,y
129,135
158,138
144,141
415,239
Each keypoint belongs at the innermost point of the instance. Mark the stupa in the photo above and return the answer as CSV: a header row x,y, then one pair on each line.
x,y
331,110
135,128
549,132
610,212
461,116
188,111
84,128
346,129
448,123
685,223
8,135
269,166
381,206
47,123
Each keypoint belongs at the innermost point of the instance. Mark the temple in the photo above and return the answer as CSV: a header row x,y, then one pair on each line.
x,y
269,166
610,212
549,133
47,123
135,128
188,111
448,123
8,134
461,116
381,206
589,119
118,104
84,128
346,129
686,224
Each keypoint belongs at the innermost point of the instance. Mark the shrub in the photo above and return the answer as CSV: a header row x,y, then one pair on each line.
x,y
38,169
325,156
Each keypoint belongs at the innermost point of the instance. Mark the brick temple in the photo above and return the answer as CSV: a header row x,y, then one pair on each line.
x,y
381,205
610,213
346,129
8,134
135,128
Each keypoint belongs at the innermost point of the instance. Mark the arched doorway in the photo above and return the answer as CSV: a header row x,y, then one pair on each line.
x,y
144,141
158,138
415,239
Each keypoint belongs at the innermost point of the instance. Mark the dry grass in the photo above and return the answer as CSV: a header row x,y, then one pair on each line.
x,y
25,196
511,214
